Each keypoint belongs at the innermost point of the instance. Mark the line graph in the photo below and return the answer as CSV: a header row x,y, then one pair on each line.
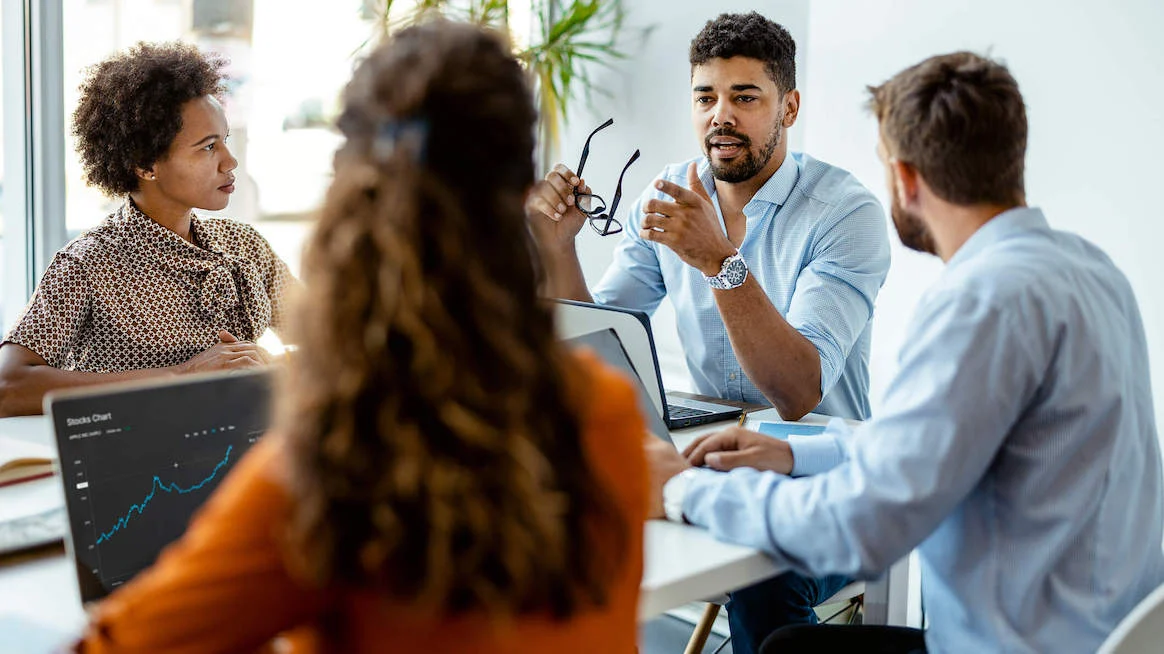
x,y
140,507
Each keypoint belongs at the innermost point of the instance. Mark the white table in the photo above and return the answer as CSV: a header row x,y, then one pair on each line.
x,y
682,563
685,564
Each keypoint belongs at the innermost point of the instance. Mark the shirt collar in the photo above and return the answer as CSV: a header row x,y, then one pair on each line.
x,y
775,191
158,237
779,186
997,229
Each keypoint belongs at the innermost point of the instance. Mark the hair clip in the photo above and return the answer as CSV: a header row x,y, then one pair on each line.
x,y
410,134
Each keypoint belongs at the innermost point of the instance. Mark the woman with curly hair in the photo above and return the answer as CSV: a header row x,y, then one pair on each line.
x,y
155,289
444,475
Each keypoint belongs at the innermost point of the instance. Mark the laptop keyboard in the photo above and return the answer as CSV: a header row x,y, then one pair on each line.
x,y
676,412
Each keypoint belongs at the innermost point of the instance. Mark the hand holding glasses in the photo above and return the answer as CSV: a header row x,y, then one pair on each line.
x,y
592,205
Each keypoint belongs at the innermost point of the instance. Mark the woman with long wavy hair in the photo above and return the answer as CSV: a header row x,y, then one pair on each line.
x,y
444,476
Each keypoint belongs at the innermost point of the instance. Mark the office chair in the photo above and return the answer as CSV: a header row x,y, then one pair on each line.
x,y
1141,631
854,593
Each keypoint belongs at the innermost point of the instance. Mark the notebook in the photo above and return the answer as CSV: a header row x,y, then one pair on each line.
x,y
23,461
137,460
783,430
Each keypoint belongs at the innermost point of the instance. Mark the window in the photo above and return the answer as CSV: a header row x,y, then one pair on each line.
x,y
289,62
4,261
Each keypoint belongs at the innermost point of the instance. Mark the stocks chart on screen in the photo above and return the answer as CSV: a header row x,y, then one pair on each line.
x,y
137,465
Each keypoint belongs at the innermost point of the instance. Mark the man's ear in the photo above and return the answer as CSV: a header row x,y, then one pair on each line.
x,y
906,180
791,108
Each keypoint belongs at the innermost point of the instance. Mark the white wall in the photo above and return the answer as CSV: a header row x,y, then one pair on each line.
x,y
650,100
1090,74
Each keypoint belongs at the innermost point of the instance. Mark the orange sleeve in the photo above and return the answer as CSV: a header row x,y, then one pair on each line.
x,y
223,586
614,432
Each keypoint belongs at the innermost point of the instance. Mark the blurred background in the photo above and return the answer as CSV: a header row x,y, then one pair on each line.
x,y
1088,70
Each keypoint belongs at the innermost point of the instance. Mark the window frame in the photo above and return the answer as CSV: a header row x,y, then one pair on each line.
x,y
34,166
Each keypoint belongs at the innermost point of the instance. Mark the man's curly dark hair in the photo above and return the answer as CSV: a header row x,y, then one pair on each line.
x,y
748,35
131,109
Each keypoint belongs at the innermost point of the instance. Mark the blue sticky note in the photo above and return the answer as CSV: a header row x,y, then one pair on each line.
x,y
783,430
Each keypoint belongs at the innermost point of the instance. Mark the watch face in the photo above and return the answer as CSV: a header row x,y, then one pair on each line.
x,y
735,272
731,274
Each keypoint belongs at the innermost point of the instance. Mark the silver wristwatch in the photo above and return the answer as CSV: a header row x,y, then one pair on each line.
x,y
732,273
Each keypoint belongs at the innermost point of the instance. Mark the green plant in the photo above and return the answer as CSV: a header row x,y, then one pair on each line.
x,y
566,39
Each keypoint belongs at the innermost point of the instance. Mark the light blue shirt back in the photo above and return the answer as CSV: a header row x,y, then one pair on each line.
x,y
1016,449
816,241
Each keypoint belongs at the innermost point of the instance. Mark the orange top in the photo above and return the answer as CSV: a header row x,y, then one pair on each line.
x,y
223,587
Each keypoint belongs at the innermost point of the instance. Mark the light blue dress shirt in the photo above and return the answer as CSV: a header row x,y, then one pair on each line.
x,y
1016,449
816,242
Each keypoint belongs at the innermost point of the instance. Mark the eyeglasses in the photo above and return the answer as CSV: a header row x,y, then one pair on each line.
x,y
600,219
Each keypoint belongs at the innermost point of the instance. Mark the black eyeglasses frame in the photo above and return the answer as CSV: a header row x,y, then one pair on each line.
x,y
602,221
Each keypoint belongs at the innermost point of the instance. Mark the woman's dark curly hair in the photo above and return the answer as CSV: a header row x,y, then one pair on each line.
x,y
748,35
433,417
131,109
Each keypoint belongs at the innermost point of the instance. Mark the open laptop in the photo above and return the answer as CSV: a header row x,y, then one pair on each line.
x,y
634,332
138,459
605,343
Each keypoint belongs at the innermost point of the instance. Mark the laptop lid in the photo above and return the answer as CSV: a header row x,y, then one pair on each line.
x,y
606,344
138,459
634,331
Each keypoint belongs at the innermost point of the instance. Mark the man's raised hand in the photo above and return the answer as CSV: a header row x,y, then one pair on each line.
x,y
688,224
550,208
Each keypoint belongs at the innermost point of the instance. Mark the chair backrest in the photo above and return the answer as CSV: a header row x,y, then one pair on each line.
x,y
1142,631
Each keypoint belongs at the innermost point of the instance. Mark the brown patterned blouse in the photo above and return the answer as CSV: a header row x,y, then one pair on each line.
x,y
131,294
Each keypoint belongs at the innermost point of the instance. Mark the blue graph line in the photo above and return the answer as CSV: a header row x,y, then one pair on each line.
x,y
169,488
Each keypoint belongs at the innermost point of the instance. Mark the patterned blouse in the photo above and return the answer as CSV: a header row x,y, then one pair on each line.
x,y
131,294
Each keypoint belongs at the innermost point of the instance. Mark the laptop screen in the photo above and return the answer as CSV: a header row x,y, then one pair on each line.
x,y
137,463
607,345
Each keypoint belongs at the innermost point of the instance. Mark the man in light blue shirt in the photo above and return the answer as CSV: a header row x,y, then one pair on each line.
x,y
1016,448
815,243
793,328
772,260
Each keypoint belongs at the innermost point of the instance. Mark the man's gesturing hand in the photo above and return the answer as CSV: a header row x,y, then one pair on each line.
x,y
688,225
736,447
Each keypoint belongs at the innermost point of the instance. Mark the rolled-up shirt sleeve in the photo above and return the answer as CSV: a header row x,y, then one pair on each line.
x,y
835,292
52,321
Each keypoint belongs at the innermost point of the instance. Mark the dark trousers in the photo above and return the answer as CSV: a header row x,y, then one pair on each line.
x,y
757,611
842,638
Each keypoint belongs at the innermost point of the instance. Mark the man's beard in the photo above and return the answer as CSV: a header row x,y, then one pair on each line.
x,y
746,166
911,230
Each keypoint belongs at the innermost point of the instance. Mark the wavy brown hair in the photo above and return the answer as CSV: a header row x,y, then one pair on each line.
x,y
436,448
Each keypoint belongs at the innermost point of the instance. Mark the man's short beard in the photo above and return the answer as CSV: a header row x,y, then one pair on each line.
x,y
911,230
747,166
